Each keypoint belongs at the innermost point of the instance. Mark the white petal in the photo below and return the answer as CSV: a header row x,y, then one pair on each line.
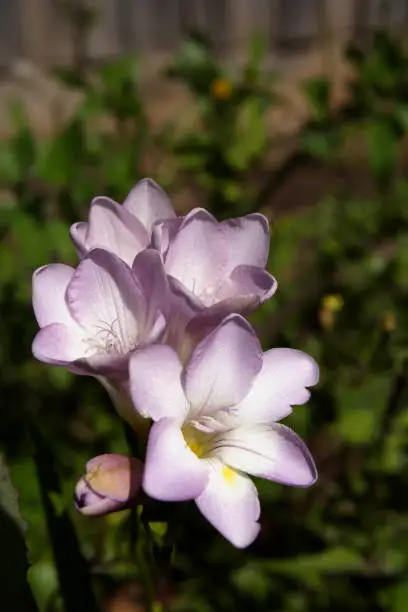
x,y
223,366
58,344
172,471
273,452
282,383
230,503
150,274
148,203
198,254
155,383
78,232
49,288
105,299
164,232
112,227
248,240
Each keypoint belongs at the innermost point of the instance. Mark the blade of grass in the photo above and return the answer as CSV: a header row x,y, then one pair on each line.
x,y
14,588
73,570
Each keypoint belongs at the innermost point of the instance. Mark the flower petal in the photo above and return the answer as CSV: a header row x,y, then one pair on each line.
x,y
149,270
248,240
49,288
248,286
172,471
155,383
104,297
148,203
78,232
274,452
114,228
115,476
164,232
198,254
281,384
230,503
89,503
58,344
113,365
223,366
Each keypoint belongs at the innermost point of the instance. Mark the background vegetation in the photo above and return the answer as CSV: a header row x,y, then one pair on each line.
x,y
342,265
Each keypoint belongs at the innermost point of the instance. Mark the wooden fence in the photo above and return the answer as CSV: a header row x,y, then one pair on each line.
x,y
38,30
305,38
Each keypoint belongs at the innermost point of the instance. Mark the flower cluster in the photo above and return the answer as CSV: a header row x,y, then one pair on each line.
x,y
155,311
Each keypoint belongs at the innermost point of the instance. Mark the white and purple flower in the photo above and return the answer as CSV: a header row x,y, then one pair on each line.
x,y
216,421
94,316
123,229
148,311
218,267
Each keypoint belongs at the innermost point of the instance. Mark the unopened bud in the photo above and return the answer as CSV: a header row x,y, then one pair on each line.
x,y
110,483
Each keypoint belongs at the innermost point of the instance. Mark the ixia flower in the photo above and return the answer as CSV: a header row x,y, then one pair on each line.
x,y
218,267
93,316
110,483
216,421
124,229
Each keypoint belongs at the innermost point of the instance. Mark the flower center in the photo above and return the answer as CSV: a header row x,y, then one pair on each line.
x,y
195,446
197,441
203,444
110,339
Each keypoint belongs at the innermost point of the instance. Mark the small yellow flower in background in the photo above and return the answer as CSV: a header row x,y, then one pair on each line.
x,y
333,302
389,322
221,88
331,305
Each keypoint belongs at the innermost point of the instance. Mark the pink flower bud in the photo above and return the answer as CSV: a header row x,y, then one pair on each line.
x,y
110,483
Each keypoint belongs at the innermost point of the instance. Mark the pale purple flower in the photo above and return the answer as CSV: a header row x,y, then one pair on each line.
x,y
216,421
93,316
110,483
124,229
218,267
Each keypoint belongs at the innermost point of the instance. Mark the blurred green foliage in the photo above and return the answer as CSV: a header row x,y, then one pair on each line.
x,y
342,265
219,153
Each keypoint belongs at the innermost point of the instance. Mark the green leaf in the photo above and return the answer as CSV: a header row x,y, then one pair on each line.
x,y
398,598
9,497
318,93
256,52
382,150
401,114
361,408
73,571
114,74
9,168
23,144
322,144
251,137
60,158
330,561
195,65
15,591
